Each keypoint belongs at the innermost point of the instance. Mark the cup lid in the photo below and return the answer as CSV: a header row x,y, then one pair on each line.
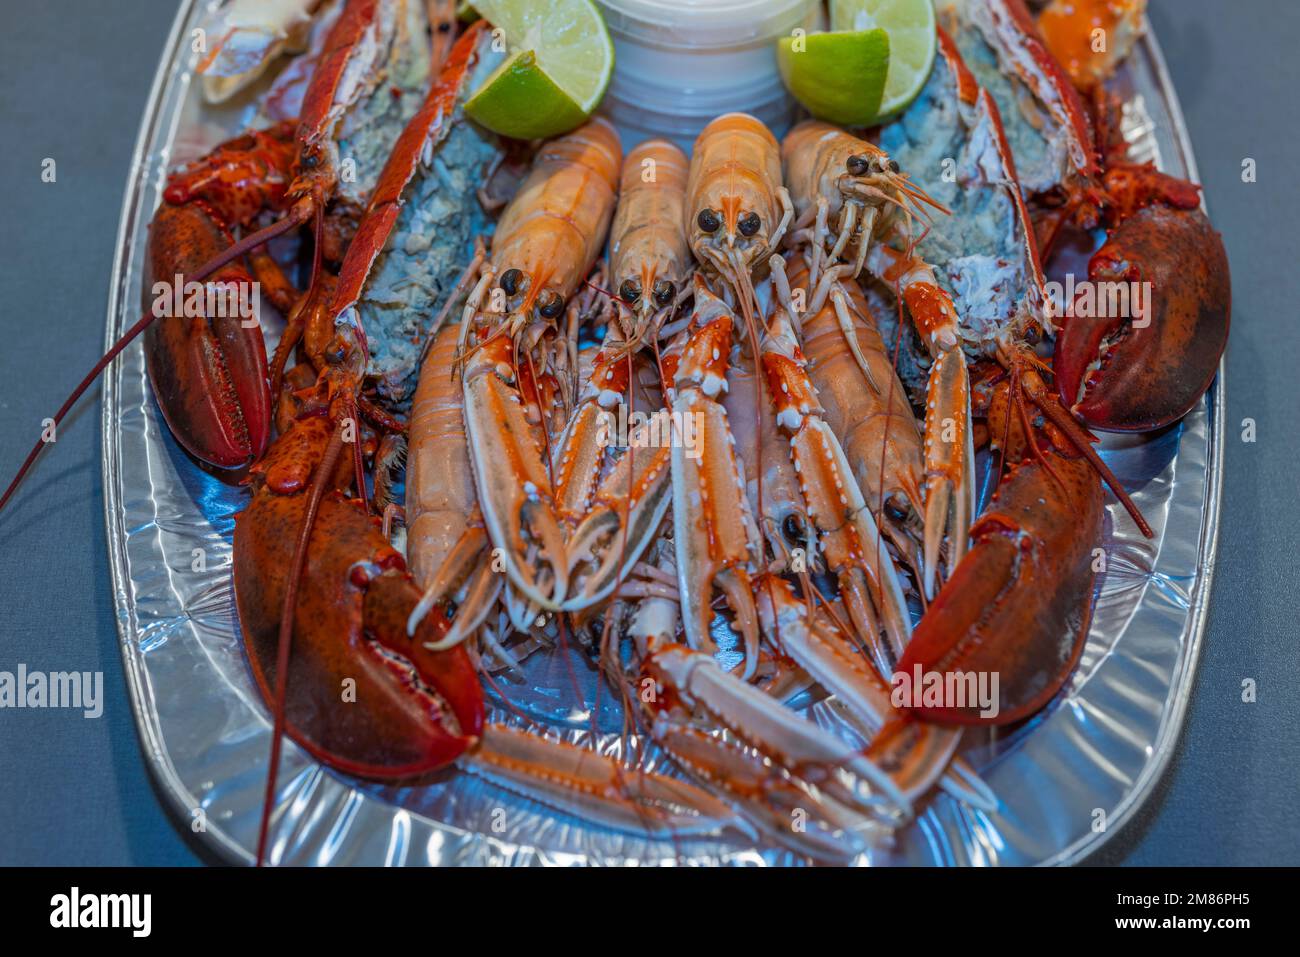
x,y
693,24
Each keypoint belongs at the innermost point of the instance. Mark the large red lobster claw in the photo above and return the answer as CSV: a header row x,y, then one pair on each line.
x,y
1018,605
208,372
1142,373
362,695
208,366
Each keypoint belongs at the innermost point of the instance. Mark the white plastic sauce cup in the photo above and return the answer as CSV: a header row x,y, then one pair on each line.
x,y
680,63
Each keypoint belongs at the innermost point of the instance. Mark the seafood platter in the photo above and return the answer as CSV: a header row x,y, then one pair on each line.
x,y
491,478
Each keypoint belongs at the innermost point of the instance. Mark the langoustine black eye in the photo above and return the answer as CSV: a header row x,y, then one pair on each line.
x,y
510,281
857,165
749,224
550,305
664,292
630,291
709,220
793,528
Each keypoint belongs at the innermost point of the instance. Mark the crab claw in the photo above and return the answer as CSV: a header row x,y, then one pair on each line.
x,y
208,371
1155,366
513,487
362,695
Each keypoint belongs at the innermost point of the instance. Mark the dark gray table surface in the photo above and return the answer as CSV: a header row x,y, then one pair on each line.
x,y
73,81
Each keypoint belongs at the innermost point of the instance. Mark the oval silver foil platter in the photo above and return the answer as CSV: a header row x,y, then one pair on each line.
x,y
1065,781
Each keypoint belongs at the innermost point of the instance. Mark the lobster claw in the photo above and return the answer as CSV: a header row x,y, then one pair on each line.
x,y
362,695
208,372
1156,366
1016,609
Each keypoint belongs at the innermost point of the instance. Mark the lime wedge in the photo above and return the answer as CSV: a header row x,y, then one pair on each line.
x,y
561,59
912,42
520,100
838,77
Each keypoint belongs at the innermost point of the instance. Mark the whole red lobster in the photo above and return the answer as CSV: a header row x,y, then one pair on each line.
x,y
313,572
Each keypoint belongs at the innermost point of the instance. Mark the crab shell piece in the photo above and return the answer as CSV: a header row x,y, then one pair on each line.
x,y
1161,362
1044,116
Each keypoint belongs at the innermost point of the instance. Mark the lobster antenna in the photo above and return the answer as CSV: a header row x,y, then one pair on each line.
x,y
251,241
1021,407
